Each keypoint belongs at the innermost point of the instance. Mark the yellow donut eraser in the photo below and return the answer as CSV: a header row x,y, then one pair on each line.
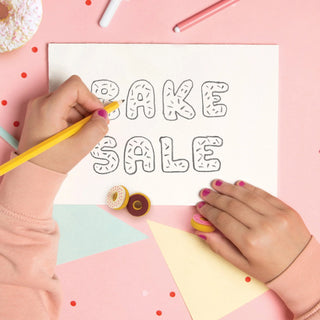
x,y
201,224
117,197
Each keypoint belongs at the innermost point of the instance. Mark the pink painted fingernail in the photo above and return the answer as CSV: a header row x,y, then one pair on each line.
x,y
241,183
201,204
103,113
205,192
218,183
202,236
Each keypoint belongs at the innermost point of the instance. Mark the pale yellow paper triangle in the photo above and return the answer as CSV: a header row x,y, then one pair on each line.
x,y
210,286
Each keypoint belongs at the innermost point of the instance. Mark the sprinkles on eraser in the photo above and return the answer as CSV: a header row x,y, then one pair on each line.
x,y
117,197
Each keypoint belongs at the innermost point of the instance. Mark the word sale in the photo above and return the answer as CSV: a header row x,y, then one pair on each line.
x,y
139,149
141,94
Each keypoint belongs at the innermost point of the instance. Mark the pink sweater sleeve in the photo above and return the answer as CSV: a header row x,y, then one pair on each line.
x,y
299,285
29,238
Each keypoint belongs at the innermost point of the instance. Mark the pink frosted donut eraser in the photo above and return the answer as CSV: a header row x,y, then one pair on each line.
x,y
201,224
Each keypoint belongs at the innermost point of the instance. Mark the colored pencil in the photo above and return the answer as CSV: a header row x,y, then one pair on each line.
x,y
204,14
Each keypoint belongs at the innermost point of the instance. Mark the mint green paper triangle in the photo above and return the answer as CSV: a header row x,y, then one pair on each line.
x,y
9,138
86,230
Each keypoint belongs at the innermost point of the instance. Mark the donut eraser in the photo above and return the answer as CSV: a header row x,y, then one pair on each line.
x,y
117,197
139,204
20,23
201,224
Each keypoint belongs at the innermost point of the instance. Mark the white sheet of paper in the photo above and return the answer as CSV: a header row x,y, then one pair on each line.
x,y
192,113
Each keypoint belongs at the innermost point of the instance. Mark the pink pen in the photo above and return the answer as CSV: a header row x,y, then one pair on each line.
x,y
204,14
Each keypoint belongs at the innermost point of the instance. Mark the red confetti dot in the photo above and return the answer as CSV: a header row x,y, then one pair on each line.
x,y
4,102
34,49
172,294
88,2
159,313
16,123
73,303
23,75
248,279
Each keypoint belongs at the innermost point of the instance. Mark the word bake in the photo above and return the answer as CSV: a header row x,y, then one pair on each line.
x,y
141,95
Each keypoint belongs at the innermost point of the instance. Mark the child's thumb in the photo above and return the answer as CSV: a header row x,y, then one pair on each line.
x,y
92,132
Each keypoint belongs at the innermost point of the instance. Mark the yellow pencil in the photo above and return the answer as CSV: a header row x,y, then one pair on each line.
x,y
51,141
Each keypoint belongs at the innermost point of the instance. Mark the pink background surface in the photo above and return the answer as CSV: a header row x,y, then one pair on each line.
x,y
293,24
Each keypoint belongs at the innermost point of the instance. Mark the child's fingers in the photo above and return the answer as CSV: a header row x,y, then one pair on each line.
x,y
251,199
76,114
73,91
234,207
231,228
263,194
91,133
223,247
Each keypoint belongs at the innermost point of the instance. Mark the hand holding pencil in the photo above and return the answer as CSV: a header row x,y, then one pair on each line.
x,y
53,118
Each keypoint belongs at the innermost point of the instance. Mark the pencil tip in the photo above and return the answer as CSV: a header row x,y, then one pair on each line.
x,y
122,101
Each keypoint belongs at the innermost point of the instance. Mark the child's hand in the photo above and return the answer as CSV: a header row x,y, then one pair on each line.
x,y
52,113
262,235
